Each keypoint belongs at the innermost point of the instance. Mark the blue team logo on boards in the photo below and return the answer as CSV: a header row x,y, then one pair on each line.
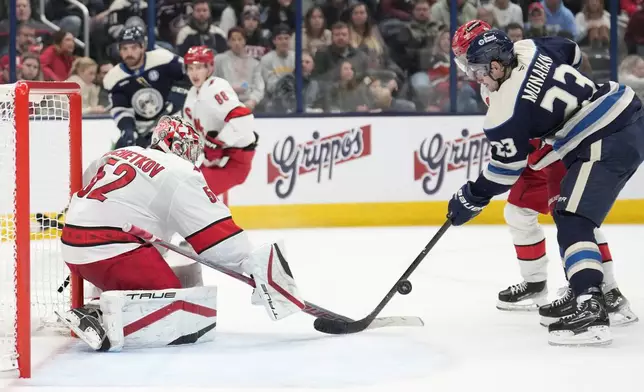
x,y
437,157
290,160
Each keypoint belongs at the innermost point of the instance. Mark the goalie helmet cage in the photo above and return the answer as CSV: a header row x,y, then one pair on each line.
x,y
34,118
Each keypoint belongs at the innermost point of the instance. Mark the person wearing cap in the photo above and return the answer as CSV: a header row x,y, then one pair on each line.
x,y
536,26
200,31
280,61
257,42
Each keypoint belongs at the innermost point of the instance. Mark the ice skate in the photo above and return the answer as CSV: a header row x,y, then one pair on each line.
x,y
618,308
588,325
525,296
561,307
86,323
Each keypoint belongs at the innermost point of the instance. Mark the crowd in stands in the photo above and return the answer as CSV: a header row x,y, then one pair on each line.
x,y
357,56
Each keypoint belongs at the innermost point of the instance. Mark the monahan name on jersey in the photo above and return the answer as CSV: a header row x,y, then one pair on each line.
x,y
547,98
215,110
140,96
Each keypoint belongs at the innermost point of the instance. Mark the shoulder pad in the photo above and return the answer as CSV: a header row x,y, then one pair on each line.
x,y
113,77
158,57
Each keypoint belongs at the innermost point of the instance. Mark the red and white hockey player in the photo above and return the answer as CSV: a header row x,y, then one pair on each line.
x,y
159,189
226,124
534,193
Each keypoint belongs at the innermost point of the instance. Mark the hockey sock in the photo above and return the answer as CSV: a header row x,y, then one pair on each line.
x,y
607,261
582,258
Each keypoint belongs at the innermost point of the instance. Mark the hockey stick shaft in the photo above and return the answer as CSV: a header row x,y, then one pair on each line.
x,y
310,308
334,327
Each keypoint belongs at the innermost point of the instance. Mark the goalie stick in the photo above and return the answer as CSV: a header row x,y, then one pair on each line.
x,y
338,327
310,308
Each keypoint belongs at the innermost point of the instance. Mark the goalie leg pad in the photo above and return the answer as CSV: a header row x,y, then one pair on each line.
x,y
157,318
274,281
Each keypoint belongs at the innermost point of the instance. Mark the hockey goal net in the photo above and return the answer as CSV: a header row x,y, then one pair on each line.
x,y
40,167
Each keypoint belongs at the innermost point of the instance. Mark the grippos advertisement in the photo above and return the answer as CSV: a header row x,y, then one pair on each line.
x,y
362,159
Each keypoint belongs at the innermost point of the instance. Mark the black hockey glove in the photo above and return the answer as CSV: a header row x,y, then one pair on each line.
x,y
464,206
128,138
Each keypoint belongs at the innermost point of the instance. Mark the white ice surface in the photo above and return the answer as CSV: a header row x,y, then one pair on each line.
x,y
466,345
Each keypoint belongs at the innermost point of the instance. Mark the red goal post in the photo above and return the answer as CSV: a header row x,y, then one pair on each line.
x,y
35,108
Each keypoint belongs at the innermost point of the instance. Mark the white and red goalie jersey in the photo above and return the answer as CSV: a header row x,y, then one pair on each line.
x,y
158,191
216,112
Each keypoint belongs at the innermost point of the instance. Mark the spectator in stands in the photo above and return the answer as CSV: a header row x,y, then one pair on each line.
x,y
557,14
536,26
64,14
284,99
172,16
103,95
25,39
257,42
348,94
466,11
486,14
315,35
327,60
634,35
631,6
240,70
30,67
439,77
24,15
231,15
84,73
506,12
200,31
280,12
593,23
515,32
383,101
56,60
396,9
280,61
415,43
335,11
364,35
631,73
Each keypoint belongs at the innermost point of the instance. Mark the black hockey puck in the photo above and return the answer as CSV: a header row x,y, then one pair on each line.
x,y
404,287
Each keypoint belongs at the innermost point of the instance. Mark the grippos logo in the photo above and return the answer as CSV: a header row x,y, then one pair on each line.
x,y
290,160
437,157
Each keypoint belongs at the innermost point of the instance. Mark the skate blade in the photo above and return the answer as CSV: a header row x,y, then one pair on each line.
x,y
525,305
595,336
546,321
92,340
622,317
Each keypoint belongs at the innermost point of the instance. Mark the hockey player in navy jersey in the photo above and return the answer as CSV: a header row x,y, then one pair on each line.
x,y
142,88
597,131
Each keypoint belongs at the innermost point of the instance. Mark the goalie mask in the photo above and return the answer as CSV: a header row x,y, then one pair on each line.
x,y
176,136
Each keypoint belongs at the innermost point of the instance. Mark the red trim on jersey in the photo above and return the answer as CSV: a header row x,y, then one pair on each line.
x,y
605,251
94,236
166,311
277,287
531,252
239,111
213,234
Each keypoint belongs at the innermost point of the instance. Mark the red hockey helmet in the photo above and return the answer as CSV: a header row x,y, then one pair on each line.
x,y
199,55
177,136
463,37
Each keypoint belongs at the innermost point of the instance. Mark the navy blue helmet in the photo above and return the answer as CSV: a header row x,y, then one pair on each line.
x,y
132,35
493,45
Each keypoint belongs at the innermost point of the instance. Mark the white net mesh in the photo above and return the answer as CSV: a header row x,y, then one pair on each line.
x,y
49,160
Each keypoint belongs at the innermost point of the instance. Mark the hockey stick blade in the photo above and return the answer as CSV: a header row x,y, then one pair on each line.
x,y
340,327
310,308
